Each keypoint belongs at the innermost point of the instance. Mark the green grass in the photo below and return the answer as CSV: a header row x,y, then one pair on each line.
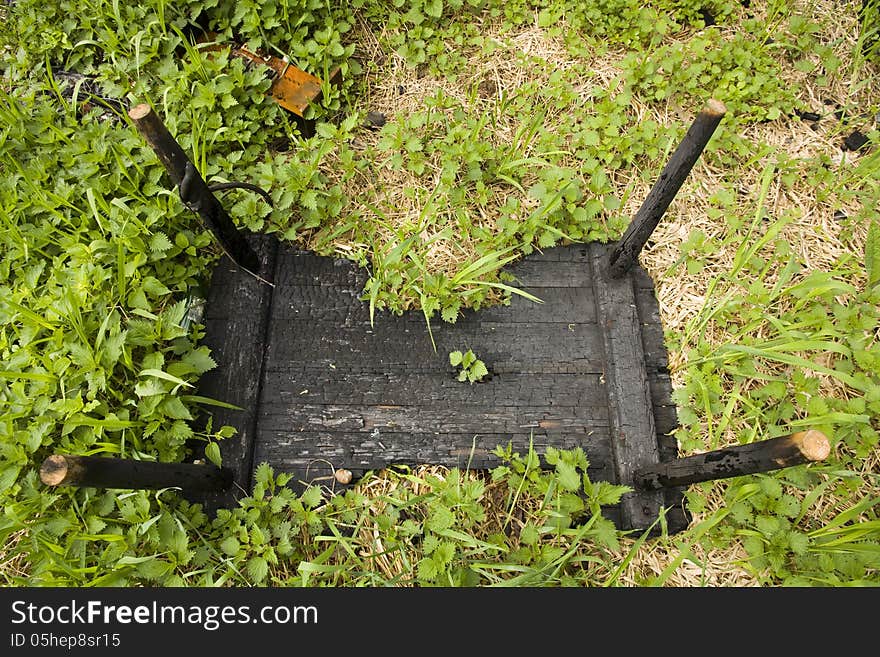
x,y
521,125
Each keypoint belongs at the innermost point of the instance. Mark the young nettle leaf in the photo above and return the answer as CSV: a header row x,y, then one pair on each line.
x,y
200,360
605,533
153,569
227,431
154,287
529,534
311,497
478,371
472,369
427,569
567,476
326,130
450,314
309,199
212,452
604,494
441,518
263,473
160,243
257,569
872,254
174,408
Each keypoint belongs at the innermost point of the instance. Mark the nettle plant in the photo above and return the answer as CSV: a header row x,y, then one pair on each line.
x,y
472,369
99,259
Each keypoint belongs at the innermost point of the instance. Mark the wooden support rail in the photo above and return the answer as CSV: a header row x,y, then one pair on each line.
x,y
108,472
194,191
783,452
626,251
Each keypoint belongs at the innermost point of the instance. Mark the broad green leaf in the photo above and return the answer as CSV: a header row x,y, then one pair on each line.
x,y
160,243
567,476
230,546
200,360
440,518
478,371
212,453
153,569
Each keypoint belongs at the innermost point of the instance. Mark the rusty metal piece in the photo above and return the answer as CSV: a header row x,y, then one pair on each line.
x,y
292,88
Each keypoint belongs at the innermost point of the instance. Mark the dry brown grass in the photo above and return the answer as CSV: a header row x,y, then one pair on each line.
x,y
14,567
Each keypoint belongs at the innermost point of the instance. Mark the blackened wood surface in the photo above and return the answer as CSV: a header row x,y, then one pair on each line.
x,y
631,411
763,456
626,252
236,322
110,472
337,392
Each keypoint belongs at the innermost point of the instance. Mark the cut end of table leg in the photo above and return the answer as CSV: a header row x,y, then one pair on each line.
x,y
139,111
814,445
715,107
54,470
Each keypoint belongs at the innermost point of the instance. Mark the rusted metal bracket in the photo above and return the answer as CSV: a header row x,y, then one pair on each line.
x,y
292,88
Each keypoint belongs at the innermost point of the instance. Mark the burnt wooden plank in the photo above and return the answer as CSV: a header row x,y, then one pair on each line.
x,y
236,335
665,419
338,392
560,305
299,267
633,433
653,338
311,454
660,383
567,253
560,273
581,420
400,388
504,347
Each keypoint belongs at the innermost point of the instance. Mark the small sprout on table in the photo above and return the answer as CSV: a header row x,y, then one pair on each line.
x,y
472,368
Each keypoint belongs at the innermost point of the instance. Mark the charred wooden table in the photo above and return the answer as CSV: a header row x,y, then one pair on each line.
x,y
323,389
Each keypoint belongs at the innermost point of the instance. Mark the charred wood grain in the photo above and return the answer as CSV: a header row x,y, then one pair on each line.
x,y
306,453
633,433
444,418
402,388
504,347
238,311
